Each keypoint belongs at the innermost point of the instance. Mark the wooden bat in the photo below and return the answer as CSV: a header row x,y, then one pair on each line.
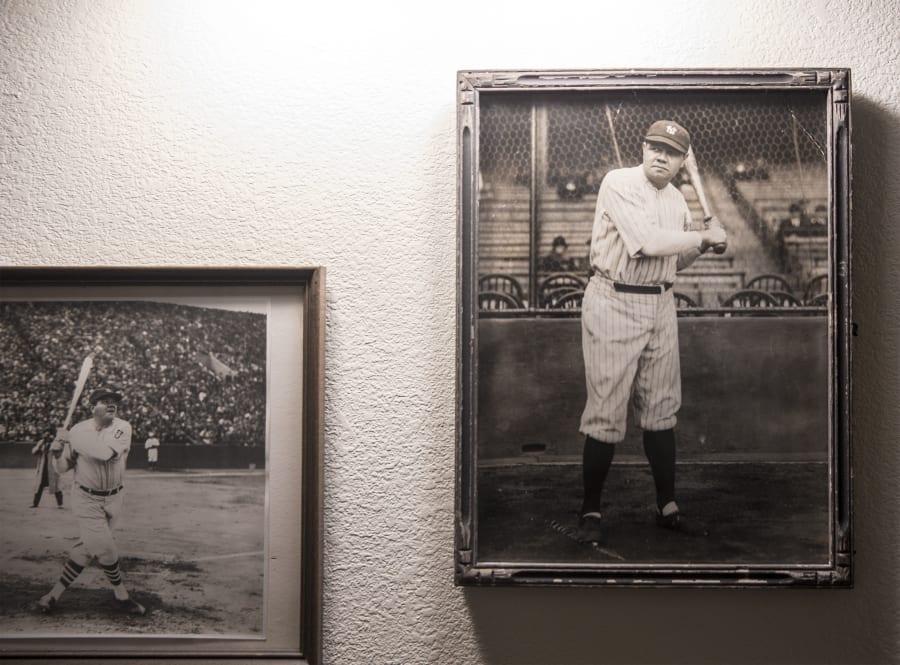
x,y
86,367
690,165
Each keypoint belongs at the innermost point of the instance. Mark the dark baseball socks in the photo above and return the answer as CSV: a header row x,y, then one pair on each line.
x,y
114,575
72,570
659,447
596,461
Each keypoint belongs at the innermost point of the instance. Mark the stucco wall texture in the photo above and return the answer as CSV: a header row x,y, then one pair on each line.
x,y
235,133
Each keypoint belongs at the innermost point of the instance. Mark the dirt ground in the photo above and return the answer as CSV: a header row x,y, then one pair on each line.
x,y
191,549
756,513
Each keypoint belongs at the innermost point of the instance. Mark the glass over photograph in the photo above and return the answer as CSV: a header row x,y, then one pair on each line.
x,y
133,463
652,292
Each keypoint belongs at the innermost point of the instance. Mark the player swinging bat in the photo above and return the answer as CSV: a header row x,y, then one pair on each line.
x,y
693,171
96,450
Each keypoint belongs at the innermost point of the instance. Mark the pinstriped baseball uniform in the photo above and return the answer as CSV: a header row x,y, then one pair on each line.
x,y
630,340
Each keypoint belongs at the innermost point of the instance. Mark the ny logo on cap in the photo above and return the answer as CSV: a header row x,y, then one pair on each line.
x,y
671,129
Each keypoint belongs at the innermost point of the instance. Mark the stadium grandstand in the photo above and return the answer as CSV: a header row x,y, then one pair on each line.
x,y
764,166
193,375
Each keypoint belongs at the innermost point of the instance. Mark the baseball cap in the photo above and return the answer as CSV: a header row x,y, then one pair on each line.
x,y
670,133
105,393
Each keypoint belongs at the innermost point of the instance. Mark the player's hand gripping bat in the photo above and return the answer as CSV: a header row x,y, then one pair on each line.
x,y
690,165
62,433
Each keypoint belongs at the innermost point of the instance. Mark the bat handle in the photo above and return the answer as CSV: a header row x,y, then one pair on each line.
x,y
721,247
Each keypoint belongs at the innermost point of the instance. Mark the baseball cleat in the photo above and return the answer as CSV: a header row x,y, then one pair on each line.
x,y
678,522
590,529
131,606
46,604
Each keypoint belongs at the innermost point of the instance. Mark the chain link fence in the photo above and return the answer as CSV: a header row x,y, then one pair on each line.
x,y
586,135
767,149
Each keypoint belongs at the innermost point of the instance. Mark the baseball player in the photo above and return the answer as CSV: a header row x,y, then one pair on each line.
x,y
640,239
151,445
46,475
96,449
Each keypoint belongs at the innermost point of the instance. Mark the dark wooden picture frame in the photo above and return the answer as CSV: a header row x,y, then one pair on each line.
x,y
299,295
764,429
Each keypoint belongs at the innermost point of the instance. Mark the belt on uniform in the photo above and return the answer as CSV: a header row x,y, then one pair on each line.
x,y
642,288
111,492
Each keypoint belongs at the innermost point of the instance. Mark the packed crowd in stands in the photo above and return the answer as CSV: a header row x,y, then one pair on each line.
x,y
191,375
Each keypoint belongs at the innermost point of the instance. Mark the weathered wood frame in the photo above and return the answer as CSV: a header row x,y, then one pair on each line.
x,y
309,282
835,85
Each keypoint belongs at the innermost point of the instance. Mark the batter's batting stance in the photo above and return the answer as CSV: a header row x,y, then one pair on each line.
x,y
640,239
96,449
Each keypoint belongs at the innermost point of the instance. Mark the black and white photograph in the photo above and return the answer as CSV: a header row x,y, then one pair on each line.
x,y
135,448
654,272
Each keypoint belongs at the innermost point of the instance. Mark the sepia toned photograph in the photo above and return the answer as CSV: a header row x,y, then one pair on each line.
x,y
654,275
137,451
149,415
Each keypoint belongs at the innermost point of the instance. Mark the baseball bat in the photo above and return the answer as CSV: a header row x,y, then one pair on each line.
x,y
612,133
79,387
690,165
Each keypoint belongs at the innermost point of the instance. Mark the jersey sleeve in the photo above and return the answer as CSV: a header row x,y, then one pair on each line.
x,y
121,442
624,207
103,450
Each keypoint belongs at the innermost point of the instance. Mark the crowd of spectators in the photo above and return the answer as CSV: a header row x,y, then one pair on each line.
x,y
191,375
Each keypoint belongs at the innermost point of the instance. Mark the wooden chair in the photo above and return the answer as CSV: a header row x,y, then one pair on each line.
x,y
815,287
556,286
563,279
769,283
820,300
497,300
571,300
750,298
550,298
786,299
501,283
682,301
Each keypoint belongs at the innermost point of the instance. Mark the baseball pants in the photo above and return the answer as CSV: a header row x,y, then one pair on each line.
x,y
630,346
97,517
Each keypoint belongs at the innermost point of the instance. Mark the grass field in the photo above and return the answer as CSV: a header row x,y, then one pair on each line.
x,y
191,547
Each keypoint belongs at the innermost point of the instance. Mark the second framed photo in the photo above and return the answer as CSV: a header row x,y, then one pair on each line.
x,y
654,304
161,455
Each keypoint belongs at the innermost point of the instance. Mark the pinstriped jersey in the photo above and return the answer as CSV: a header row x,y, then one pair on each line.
x,y
629,207
98,456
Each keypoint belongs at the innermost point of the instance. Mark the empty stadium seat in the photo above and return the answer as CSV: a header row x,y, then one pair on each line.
x,y
817,286
750,298
497,300
571,300
769,283
556,286
786,299
683,301
500,283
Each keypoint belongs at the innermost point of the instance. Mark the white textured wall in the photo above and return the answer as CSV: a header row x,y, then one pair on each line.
x,y
170,132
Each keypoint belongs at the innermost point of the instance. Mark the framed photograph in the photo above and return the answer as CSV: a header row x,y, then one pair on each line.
x,y
653,328
161,453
